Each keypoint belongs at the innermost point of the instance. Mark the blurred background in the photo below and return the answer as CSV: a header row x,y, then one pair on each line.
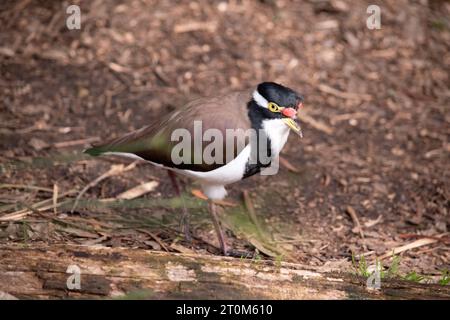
x,y
371,173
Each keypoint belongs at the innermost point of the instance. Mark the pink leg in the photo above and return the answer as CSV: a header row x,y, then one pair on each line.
x,y
220,234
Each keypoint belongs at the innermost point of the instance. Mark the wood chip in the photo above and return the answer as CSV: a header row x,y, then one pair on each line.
x,y
371,223
118,68
138,190
195,26
93,242
7,296
182,249
5,51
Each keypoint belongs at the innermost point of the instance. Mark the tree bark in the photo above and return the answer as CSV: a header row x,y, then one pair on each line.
x,y
41,272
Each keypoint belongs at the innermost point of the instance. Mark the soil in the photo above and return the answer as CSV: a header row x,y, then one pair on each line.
x,y
376,124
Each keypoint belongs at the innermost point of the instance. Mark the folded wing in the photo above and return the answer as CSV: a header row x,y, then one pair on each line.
x,y
155,142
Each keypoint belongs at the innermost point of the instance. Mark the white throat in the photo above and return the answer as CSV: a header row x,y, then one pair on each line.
x,y
276,129
278,133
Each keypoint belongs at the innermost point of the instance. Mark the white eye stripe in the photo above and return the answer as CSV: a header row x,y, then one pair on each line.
x,y
260,100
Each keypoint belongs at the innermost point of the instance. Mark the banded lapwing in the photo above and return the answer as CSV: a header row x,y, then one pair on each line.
x,y
268,113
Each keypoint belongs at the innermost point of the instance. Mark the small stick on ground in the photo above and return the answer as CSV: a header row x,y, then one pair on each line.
x,y
55,197
315,123
285,163
114,170
155,237
225,203
23,186
40,206
65,144
442,238
354,216
347,116
182,249
195,26
81,231
138,190
343,94
409,246
372,223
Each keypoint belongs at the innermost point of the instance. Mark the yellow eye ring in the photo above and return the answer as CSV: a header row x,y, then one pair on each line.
x,y
273,107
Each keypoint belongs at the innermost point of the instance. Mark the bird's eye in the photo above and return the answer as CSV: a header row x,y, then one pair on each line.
x,y
273,107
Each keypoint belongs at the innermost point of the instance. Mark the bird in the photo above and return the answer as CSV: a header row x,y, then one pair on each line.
x,y
257,121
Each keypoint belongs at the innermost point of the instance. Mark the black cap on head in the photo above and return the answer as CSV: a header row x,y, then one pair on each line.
x,y
281,95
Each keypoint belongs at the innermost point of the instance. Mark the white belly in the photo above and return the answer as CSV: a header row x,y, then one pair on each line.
x,y
231,172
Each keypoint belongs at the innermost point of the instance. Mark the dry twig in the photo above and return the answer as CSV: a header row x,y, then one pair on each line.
x,y
55,197
354,216
64,144
343,94
304,117
195,26
156,238
23,186
409,246
285,163
38,206
138,190
114,170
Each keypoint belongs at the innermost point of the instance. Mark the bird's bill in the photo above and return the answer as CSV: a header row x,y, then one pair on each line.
x,y
294,126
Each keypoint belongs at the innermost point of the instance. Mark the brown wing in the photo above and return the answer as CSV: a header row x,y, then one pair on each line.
x,y
154,142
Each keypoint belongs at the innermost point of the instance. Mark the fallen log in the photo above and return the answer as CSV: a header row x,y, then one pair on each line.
x,y
69,271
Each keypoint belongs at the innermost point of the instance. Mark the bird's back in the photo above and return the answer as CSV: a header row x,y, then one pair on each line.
x,y
154,142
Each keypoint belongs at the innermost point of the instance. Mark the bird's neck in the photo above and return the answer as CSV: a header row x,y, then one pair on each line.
x,y
273,131
255,114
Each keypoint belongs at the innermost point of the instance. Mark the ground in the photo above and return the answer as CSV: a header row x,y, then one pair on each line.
x,y
376,125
